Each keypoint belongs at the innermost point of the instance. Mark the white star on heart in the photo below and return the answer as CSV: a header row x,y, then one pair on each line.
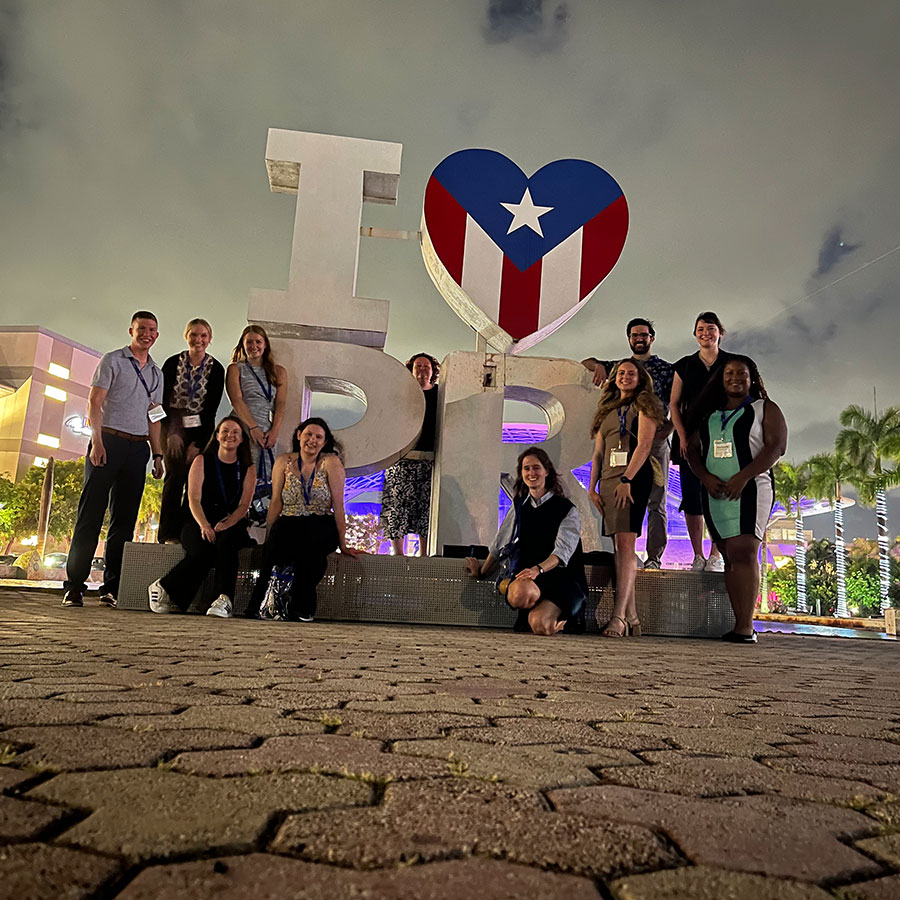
x,y
526,213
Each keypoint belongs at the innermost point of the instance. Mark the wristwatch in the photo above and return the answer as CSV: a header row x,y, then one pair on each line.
x,y
624,479
540,568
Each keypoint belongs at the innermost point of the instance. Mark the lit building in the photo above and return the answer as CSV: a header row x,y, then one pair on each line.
x,y
45,380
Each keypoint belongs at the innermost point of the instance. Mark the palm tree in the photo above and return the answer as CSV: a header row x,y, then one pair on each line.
x,y
827,473
870,441
791,482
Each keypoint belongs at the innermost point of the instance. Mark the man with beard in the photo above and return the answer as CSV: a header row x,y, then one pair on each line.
x,y
640,338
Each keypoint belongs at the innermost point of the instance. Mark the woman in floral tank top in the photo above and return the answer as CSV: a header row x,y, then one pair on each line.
x,y
306,518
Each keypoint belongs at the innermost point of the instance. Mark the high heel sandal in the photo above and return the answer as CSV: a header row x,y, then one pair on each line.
x,y
634,627
625,632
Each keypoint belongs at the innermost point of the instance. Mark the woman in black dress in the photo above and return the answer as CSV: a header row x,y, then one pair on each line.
x,y
692,373
406,497
548,587
220,488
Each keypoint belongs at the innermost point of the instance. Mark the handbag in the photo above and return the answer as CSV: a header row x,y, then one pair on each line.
x,y
508,554
262,493
278,594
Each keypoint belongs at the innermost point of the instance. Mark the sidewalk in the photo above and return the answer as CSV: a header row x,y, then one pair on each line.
x,y
151,756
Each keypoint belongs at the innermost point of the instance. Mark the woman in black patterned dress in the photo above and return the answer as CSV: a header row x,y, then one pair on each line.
x,y
406,497
192,387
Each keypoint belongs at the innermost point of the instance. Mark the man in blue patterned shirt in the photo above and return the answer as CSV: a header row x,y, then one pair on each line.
x,y
640,338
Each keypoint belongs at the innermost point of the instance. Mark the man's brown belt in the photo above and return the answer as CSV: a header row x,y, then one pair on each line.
x,y
124,434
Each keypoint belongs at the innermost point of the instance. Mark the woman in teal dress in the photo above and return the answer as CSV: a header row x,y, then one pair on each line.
x,y
737,435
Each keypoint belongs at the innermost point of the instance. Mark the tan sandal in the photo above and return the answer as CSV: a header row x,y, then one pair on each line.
x,y
626,628
634,627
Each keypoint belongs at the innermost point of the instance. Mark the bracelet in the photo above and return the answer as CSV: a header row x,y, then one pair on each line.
x,y
157,456
255,426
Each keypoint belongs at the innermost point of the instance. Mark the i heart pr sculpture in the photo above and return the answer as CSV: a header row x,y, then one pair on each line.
x,y
517,257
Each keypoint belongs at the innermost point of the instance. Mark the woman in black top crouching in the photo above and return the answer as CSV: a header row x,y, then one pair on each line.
x,y
220,487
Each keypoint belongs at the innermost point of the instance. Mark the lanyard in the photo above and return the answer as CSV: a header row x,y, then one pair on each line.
x,y
307,486
140,375
267,387
734,412
225,496
622,412
193,381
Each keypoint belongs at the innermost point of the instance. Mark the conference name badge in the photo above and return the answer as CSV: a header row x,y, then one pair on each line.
x,y
722,450
619,458
156,412
190,421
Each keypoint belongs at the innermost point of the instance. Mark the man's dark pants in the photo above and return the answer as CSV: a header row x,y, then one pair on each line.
x,y
119,485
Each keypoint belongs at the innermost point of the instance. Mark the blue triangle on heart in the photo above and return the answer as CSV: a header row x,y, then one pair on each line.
x,y
481,180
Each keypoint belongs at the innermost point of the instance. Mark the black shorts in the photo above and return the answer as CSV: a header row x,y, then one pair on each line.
x,y
691,502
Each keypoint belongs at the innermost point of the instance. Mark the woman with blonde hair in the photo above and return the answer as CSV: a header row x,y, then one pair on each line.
x,y
622,476
257,389
192,389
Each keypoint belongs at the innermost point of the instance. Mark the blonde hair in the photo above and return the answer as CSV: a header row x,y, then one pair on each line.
x,y
193,322
643,398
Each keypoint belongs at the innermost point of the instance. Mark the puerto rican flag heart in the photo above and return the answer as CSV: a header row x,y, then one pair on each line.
x,y
517,257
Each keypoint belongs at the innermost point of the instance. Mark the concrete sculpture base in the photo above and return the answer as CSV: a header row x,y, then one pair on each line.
x,y
436,591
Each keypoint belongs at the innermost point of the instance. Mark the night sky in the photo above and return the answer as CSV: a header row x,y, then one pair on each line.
x,y
758,145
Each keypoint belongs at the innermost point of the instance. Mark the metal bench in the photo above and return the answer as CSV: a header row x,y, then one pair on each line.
x,y
436,591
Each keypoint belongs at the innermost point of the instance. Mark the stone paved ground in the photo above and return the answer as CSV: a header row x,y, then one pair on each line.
x,y
145,757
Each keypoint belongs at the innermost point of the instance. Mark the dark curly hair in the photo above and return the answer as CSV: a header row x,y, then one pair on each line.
x,y
713,396
553,482
331,445
435,365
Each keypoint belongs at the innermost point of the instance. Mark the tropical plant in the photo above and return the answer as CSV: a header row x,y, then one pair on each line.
x,y
828,472
791,482
870,441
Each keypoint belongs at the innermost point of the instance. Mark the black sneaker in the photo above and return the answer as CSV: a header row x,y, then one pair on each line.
x,y
734,638
107,600
72,598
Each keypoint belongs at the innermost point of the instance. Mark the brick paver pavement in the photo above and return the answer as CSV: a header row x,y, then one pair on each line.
x,y
169,756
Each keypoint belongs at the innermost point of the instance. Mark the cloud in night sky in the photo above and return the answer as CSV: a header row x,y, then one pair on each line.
x,y
132,172
541,25
834,248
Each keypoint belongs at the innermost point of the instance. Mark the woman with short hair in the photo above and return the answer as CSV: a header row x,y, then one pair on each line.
x,y
220,487
406,496
692,373
621,479
192,389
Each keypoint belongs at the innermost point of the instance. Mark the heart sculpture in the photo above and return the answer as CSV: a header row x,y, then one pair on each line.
x,y
517,257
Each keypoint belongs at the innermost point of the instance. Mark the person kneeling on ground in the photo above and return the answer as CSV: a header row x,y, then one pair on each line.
x,y
541,537
221,482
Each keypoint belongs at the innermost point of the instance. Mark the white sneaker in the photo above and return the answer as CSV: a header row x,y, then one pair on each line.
x,y
699,563
220,607
160,602
304,618
714,564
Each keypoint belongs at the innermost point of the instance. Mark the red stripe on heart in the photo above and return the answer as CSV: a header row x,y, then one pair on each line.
x,y
446,221
602,243
520,299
